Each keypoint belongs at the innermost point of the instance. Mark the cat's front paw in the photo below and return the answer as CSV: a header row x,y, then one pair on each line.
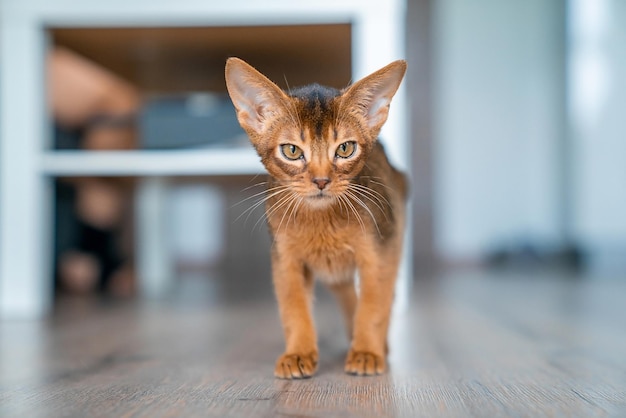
x,y
296,366
364,363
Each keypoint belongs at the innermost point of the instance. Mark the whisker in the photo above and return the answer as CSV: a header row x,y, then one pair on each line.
x,y
281,202
257,204
291,109
380,198
384,185
354,210
287,84
259,194
255,177
382,210
292,202
294,110
251,209
342,207
364,206
263,183
294,211
374,193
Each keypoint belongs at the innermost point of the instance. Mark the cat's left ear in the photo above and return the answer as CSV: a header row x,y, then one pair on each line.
x,y
256,99
372,95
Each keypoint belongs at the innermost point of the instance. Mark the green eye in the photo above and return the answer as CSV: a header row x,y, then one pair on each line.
x,y
291,152
346,150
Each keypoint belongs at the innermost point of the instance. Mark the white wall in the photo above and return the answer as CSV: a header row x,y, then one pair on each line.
x,y
598,124
498,122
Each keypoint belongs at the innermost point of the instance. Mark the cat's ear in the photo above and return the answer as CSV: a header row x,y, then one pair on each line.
x,y
371,96
256,99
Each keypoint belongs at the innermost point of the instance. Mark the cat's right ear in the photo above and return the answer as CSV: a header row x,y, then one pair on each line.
x,y
371,96
257,100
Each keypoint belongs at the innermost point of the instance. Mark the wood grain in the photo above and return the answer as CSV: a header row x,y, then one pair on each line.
x,y
478,345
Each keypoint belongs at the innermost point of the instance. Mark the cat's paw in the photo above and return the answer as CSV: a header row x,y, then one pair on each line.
x,y
296,366
364,363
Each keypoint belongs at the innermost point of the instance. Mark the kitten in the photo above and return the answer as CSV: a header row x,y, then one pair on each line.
x,y
334,206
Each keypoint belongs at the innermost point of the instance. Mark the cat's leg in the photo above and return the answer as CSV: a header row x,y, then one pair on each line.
x,y
345,293
293,285
378,271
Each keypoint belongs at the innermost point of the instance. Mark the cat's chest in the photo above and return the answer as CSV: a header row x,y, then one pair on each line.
x,y
328,250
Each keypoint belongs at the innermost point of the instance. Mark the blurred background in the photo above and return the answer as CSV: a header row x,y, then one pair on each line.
x,y
527,136
515,132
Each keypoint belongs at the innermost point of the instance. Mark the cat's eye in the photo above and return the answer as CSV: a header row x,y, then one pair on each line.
x,y
291,152
346,150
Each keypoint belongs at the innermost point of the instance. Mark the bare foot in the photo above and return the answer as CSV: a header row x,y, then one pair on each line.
x,y
122,283
100,203
79,272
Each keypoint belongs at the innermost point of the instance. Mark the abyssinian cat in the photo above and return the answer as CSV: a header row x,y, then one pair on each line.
x,y
334,205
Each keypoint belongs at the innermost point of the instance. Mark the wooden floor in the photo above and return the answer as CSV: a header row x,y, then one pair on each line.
x,y
472,345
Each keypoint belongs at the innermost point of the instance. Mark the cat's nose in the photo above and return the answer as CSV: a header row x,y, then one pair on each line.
x,y
321,182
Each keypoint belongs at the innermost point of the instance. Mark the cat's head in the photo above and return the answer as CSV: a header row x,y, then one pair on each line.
x,y
315,138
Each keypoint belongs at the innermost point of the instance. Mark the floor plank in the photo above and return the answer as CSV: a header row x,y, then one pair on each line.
x,y
471,345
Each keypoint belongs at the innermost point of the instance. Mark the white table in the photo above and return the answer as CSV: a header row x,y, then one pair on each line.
x,y
28,166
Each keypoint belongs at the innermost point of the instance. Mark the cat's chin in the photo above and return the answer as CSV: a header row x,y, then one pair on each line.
x,y
319,201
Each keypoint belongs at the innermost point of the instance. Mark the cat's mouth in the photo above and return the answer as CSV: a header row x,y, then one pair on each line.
x,y
320,198
321,195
